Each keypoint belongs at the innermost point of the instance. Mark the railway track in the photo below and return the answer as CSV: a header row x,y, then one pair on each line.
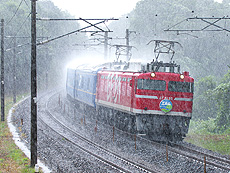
x,y
203,157
208,159
91,154
102,154
196,156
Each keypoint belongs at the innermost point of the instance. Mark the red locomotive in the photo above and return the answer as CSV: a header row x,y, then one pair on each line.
x,y
154,101
155,104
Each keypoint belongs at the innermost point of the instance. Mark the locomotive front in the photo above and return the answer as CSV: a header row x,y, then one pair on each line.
x,y
163,105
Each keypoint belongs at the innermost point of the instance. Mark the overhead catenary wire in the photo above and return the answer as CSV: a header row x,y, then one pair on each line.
x,y
209,22
70,33
60,19
15,13
20,45
27,4
18,30
23,23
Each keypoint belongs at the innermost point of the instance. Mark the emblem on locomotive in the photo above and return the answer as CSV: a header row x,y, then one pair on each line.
x,y
166,105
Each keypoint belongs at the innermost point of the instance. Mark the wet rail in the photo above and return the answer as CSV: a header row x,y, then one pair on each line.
x,y
216,161
121,163
104,155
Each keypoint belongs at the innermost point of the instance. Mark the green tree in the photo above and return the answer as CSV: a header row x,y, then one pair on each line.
x,y
222,96
208,49
51,57
204,106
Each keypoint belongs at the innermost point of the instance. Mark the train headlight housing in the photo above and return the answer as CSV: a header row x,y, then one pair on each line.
x,y
182,76
153,75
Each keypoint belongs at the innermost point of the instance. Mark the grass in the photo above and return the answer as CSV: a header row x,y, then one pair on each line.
x,y
12,159
202,133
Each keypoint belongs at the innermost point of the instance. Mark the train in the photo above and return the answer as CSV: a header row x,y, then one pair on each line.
x,y
152,100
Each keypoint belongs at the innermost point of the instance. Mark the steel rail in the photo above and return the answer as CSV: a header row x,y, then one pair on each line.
x,y
114,155
101,159
179,149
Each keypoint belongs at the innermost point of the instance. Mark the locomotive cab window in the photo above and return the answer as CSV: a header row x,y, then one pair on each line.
x,y
147,84
181,86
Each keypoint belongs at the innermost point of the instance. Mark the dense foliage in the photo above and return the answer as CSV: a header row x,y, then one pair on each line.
x,y
213,101
51,57
204,54
222,96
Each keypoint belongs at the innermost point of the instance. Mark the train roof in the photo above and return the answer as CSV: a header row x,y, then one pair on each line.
x,y
132,67
157,75
86,68
115,66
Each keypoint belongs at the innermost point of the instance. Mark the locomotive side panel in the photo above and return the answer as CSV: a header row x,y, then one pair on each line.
x,y
114,91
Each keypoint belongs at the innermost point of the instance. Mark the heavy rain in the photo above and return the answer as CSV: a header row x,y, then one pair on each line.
x,y
115,86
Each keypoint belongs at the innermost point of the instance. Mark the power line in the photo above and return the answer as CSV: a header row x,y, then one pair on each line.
x,y
27,4
60,19
19,30
73,32
210,22
20,45
15,12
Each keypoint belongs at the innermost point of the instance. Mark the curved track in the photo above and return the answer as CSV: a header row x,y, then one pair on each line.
x,y
206,158
95,150
219,162
102,154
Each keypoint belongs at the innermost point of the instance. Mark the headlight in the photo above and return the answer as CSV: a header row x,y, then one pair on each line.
x,y
181,76
152,74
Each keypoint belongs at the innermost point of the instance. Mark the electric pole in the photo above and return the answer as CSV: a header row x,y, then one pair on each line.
x,y
33,143
128,50
14,72
127,43
2,72
47,72
106,46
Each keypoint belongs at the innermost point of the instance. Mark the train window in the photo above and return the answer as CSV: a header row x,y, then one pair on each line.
x,y
82,82
88,82
124,79
181,86
147,84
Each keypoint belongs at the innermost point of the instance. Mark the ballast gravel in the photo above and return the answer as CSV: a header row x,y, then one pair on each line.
x,y
61,156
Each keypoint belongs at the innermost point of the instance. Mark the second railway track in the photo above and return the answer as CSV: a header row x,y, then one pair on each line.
x,y
108,157
66,143
210,159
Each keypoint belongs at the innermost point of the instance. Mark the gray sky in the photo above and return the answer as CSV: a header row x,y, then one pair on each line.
x,y
96,8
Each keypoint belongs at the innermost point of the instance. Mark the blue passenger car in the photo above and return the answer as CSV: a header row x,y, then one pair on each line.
x,y
81,85
70,82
